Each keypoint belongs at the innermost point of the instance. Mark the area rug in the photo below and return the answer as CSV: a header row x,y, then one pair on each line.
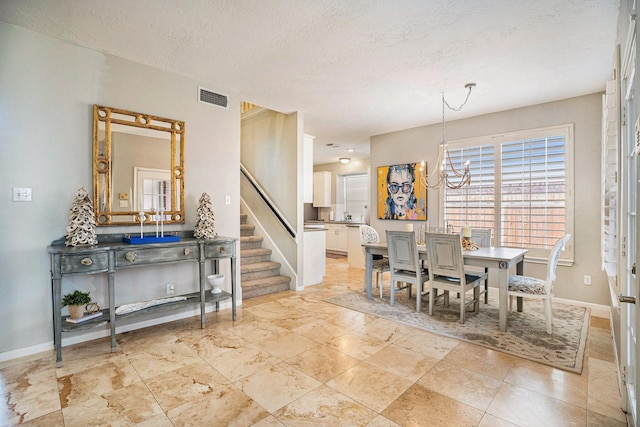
x,y
526,335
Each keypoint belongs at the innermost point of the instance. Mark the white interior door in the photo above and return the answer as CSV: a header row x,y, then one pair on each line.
x,y
630,324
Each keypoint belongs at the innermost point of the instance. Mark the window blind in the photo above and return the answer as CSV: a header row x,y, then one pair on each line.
x,y
533,181
355,194
521,188
473,205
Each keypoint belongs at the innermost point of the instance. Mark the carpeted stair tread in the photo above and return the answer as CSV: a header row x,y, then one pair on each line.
x,y
259,266
255,252
258,274
264,286
247,230
252,256
259,270
250,242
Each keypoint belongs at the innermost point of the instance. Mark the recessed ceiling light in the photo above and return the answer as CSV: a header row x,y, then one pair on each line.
x,y
351,150
344,160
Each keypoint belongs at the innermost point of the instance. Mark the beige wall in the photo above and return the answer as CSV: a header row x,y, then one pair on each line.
x,y
413,145
48,91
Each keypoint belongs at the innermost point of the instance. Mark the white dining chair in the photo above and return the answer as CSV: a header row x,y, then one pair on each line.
x,y
380,264
532,287
406,268
446,271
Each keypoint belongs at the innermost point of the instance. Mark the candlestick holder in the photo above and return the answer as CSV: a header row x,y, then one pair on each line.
x,y
468,244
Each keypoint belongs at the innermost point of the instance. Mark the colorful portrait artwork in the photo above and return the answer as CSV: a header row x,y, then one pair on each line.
x,y
401,193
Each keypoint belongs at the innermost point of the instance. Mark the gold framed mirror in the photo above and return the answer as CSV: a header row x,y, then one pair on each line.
x,y
138,166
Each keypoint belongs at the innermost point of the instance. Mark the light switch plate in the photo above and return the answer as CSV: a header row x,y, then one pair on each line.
x,y
21,194
227,200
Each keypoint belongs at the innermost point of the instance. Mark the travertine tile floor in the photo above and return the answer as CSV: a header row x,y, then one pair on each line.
x,y
292,359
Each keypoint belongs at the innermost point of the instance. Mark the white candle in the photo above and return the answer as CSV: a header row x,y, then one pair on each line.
x,y
408,227
161,221
162,194
141,213
466,231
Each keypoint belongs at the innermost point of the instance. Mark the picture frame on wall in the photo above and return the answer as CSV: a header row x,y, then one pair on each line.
x,y
401,193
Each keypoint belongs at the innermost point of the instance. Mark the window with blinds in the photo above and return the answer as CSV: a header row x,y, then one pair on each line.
x,y
473,205
520,187
356,194
533,196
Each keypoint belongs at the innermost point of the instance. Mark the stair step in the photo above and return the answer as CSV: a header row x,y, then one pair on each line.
x,y
247,230
259,269
264,286
258,274
251,256
250,242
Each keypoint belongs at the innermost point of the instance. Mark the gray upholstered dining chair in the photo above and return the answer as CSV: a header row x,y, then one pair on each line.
x,y
446,271
532,287
482,238
380,264
406,268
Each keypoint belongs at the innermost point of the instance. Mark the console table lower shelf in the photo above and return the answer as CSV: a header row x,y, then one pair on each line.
x,y
190,299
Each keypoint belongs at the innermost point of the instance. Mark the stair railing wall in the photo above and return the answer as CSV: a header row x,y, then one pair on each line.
x,y
276,236
267,200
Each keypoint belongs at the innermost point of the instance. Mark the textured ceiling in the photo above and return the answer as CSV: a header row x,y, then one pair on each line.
x,y
354,68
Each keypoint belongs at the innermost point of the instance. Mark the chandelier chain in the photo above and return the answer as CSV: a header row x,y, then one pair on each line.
x,y
445,156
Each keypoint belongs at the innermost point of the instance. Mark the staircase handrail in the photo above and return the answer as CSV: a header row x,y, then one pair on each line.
x,y
263,195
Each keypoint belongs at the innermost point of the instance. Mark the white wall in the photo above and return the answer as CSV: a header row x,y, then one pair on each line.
x,y
47,90
414,145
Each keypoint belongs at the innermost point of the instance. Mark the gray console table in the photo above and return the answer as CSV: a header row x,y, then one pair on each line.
x,y
111,254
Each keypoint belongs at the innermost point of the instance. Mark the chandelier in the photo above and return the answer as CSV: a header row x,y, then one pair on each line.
x,y
459,179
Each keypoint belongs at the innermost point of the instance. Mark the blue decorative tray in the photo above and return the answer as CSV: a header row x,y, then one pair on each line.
x,y
137,240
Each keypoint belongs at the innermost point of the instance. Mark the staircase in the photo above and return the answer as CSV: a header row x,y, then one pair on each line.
x,y
258,274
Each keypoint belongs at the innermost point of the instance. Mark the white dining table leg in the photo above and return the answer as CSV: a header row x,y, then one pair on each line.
x,y
368,271
503,297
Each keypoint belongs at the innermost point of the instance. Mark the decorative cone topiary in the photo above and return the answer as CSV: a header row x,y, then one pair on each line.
x,y
205,228
81,230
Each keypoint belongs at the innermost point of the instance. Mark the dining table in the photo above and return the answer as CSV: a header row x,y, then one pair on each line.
x,y
500,258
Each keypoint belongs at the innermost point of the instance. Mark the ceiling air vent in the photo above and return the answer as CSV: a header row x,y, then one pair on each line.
x,y
208,97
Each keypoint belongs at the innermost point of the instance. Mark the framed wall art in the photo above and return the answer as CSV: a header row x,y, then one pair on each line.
x,y
401,193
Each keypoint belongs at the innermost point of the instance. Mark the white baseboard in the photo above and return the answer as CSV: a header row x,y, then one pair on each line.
x,y
84,336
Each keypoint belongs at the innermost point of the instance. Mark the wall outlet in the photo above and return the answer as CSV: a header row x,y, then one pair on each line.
x,y
21,194
170,289
587,280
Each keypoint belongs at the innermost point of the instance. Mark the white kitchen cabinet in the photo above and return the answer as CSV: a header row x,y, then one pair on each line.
x,y
322,189
337,237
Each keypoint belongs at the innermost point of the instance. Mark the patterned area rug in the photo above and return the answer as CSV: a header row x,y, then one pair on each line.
x,y
526,334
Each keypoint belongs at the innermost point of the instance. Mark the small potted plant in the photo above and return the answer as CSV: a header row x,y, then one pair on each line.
x,y
76,302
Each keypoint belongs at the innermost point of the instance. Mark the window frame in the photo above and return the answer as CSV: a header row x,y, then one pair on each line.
x,y
496,140
342,194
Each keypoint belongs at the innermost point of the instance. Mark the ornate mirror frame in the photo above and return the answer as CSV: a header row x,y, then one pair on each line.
x,y
160,146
